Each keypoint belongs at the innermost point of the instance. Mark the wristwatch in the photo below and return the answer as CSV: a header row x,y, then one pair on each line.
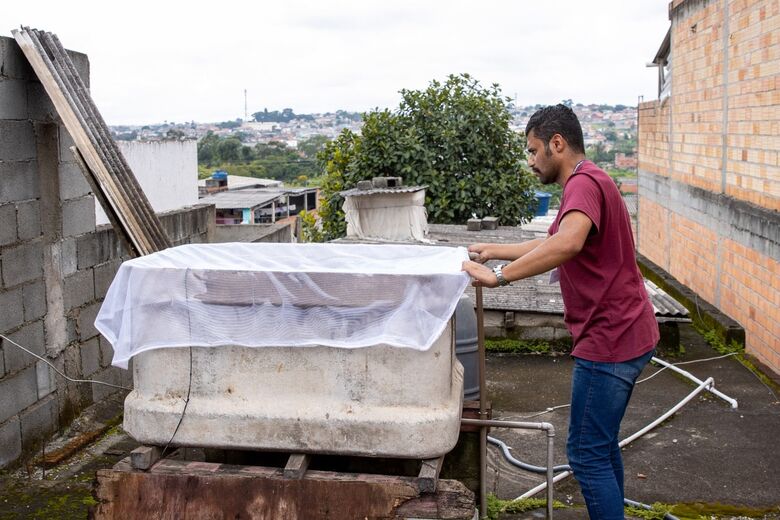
x,y
502,282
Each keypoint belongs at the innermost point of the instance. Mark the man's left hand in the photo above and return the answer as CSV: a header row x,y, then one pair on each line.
x,y
481,275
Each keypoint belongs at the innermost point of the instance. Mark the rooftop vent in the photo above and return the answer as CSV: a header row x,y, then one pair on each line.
x,y
384,209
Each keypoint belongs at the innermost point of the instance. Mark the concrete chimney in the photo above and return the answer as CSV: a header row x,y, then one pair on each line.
x,y
384,209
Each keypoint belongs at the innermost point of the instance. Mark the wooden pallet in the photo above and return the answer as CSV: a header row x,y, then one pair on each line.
x,y
145,486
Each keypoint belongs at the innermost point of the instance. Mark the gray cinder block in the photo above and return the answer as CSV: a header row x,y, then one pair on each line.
x,y
111,375
13,99
78,216
68,259
45,379
23,263
17,141
86,251
13,64
17,392
10,442
90,357
81,62
490,223
106,352
78,289
30,337
39,421
7,224
18,180
12,314
104,275
473,224
65,142
86,321
72,181
28,215
39,105
34,297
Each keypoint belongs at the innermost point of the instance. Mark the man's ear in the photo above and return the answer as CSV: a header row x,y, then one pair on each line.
x,y
558,143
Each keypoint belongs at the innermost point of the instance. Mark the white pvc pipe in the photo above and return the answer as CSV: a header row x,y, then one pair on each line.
x,y
712,389
706,384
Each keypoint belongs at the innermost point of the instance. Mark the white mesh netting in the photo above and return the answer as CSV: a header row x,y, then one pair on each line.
x,y
259,295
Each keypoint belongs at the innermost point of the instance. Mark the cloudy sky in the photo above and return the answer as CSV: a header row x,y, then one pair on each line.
x,y
179,61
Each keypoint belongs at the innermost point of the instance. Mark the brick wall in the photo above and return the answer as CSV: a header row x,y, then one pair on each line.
x,y
55,266
709,177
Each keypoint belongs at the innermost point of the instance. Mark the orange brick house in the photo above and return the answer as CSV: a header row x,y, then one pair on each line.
x,y
709,163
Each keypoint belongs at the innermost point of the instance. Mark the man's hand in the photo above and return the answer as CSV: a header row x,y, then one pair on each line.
x,y
481,275
479,253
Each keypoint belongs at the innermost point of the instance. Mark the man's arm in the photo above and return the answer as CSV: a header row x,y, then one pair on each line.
x,y
552,252
503,251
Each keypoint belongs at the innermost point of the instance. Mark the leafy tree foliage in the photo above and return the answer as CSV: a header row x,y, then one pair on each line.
x,y
285,116
265,160
453,137
230,124
313,145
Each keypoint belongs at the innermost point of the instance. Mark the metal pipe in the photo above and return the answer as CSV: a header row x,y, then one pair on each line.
x,y
543,426
561,467
519,463
713,390
704,385
482,405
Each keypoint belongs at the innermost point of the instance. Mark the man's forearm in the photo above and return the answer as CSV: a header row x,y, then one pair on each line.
x,y
550,254
512,252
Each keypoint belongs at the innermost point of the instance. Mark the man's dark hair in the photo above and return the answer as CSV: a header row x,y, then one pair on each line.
x,y
557,119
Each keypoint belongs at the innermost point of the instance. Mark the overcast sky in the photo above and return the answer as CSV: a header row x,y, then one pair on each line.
x,y
179,61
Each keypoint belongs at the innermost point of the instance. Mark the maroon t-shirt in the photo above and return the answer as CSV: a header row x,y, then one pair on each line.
x,y
606,307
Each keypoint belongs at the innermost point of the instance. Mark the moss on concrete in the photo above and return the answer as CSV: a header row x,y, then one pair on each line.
x,y
527,346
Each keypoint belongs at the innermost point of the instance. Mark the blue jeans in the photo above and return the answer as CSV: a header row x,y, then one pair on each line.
x,y
600,394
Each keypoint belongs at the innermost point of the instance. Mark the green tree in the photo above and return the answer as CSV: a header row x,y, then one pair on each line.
x,y
313,145
453,137
229,150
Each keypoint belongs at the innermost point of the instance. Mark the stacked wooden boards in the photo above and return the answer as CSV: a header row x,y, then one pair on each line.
x,y
103,164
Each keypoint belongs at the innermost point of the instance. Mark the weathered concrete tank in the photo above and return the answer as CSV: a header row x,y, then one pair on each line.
x,y
341,349
378,401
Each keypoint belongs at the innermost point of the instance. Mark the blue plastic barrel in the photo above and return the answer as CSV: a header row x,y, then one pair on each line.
x,y
542,203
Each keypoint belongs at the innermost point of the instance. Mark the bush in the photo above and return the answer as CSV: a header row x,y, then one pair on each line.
x,y
453,137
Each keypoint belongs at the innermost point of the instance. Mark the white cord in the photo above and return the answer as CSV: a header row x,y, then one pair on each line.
x,y
552,409
60,373
685,363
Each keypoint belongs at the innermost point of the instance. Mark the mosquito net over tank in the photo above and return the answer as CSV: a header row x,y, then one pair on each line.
x,y
268,294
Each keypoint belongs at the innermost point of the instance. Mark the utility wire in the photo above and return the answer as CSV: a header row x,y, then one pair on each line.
x,y
553,408
93,381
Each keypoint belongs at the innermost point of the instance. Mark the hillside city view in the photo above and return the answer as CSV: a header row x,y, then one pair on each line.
x,y
283,145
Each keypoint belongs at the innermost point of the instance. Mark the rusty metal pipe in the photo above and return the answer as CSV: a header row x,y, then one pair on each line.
x,y
548,428
482,405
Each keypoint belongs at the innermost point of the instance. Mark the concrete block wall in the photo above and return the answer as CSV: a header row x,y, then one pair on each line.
x,y
709,177
55,265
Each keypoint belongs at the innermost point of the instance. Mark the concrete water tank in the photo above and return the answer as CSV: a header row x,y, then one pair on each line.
x,y
377,401
329,348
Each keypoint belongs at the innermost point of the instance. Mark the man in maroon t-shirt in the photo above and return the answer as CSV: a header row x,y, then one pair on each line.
x,y
590,249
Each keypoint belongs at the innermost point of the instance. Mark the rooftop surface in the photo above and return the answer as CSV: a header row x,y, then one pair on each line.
x,y
244,198
535,294
239,181
707,452
707,457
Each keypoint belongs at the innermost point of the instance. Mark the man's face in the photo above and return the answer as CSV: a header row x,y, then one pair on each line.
x,y
541,160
